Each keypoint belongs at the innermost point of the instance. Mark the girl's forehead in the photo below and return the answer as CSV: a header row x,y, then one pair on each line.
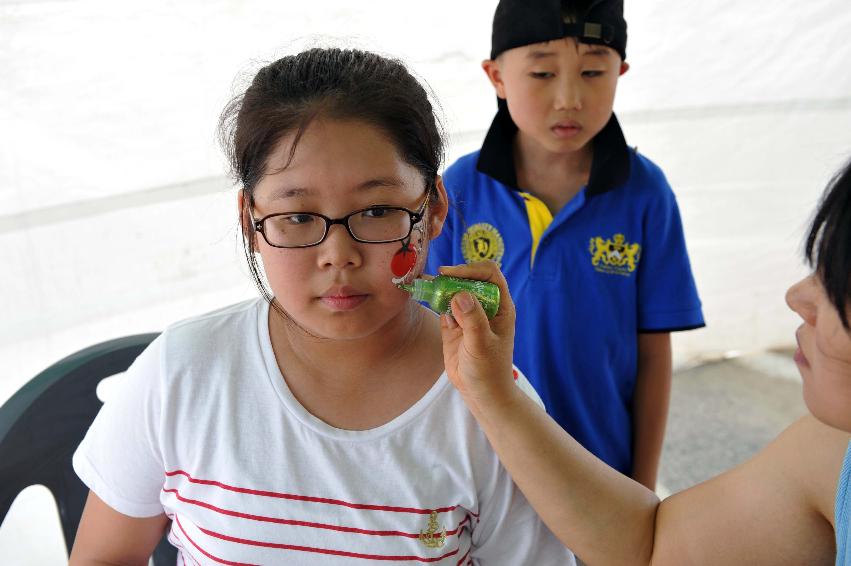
x,y
336,154
324,140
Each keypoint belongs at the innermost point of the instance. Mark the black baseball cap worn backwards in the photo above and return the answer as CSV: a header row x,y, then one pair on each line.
x,y
522,22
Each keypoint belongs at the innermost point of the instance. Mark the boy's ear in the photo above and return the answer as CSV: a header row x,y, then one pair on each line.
x,y
492,70
624,68
438,210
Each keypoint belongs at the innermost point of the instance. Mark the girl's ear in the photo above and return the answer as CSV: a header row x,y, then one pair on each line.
x,y
438,210
243,208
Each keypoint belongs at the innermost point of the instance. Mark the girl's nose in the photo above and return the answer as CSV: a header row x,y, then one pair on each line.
x,y
339,249
801,298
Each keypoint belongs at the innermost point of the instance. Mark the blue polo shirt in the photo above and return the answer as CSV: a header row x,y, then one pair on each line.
x,y
610,265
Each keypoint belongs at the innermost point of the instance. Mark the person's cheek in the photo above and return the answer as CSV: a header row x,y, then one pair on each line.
x,y
409,260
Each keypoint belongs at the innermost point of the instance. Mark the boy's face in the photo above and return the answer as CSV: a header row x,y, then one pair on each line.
x,y
559,93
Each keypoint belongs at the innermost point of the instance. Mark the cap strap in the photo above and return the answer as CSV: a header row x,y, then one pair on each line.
x,y
590,31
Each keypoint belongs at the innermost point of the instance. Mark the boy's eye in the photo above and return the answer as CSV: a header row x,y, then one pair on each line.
x,y
591,74
541,75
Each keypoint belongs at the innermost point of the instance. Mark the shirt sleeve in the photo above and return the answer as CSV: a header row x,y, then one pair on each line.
x,y
511,532
667,294
119,459
527,387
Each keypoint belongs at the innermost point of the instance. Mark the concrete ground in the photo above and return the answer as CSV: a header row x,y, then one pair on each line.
x,y
722,412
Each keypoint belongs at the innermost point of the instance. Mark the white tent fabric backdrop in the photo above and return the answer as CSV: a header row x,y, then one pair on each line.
x,y
116,217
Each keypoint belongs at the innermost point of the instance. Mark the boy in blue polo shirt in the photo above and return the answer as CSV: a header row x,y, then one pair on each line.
x,y
586,230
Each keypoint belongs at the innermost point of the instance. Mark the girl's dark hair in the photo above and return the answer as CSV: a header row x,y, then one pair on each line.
x,y
828,247
287,95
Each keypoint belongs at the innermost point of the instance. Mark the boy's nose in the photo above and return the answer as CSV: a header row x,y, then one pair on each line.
x,y
339,249
801,298
568,95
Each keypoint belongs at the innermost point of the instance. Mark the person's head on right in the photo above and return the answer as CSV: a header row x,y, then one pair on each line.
x,y
555,64
337,152
823,301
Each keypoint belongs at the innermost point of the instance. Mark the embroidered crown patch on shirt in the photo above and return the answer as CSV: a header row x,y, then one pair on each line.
x,y
482,242
615,256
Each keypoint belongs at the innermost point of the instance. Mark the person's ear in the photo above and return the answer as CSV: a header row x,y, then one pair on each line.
x,y
624,68
437,210
492,69
245,222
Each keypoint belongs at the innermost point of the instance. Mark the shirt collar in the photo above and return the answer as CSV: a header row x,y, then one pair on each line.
x,y
609,167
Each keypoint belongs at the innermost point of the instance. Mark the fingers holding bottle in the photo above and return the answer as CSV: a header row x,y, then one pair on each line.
x,y
489,271
478,351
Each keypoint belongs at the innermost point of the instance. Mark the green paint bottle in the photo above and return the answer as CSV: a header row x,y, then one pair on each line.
x,y
438,292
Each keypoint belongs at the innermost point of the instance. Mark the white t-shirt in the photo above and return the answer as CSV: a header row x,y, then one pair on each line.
x,y
204,429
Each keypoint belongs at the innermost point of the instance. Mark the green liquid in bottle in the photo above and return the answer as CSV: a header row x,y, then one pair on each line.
x,y
438,293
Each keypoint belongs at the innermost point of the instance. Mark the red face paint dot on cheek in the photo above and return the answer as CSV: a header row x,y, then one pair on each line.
x,y
404,261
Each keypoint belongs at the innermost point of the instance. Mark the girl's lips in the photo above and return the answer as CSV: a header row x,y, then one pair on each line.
x,y
343,302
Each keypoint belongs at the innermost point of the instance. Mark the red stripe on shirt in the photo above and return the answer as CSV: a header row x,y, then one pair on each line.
x,y
311,499
207,554
299,523
324,550
184,552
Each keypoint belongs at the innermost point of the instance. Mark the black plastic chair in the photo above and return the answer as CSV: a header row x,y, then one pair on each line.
x,y
44,421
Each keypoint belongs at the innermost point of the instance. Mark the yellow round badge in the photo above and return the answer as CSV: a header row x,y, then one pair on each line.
x,y
482,242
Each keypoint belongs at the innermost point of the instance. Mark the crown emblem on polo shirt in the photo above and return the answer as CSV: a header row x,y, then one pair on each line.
x,y
482,242
434,535
614,255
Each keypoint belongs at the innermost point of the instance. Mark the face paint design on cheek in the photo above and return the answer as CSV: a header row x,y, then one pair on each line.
x,y
406,260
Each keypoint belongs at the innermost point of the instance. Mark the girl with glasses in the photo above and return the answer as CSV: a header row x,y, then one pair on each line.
x,y
314,425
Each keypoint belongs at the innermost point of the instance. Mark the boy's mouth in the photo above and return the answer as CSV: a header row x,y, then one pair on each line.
x,y
566,129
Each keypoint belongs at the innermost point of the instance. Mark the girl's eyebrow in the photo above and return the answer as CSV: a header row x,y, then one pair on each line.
x,y
282,193
380,182
289,192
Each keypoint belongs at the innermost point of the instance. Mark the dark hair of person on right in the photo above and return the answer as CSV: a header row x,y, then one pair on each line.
x,y
828,247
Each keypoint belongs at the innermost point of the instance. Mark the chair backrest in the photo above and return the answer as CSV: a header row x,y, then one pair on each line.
x,y
44,421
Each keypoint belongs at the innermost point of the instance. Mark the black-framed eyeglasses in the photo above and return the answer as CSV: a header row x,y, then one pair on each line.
x,y
372,225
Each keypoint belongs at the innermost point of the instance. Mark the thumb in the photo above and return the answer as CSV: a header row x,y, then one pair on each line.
x,y
474,324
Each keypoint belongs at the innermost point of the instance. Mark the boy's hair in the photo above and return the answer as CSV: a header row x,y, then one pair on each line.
x,y
828,247
344,84
522,22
